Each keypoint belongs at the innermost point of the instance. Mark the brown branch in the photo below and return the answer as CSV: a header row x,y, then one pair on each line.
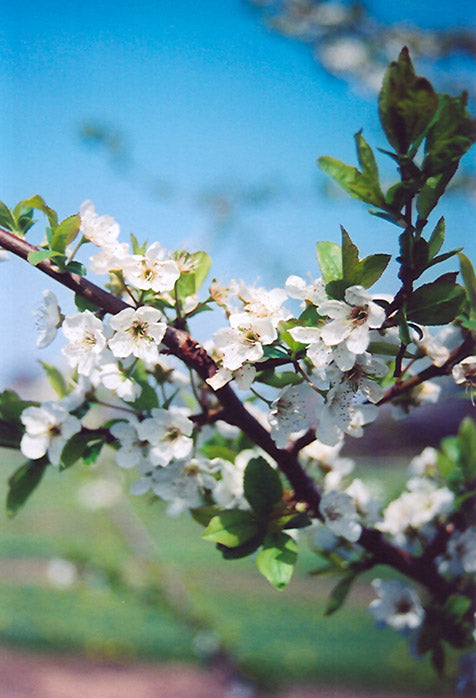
x,y
234,412
465,349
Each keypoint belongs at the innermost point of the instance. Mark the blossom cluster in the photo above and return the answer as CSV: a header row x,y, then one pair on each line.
x,y
339,353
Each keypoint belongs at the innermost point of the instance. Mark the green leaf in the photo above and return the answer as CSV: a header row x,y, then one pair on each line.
x,y
340,592
469,278
456,606
232,528
450,136
11,406
350,257
366,158
436,303
262,486
83,304
279,380
244,550
75,267
467,448
191,281
430,194
147,400
407,103
65,233
352,181
38,203
40,255
203,515
10,434
217,451
277,558
329,256
23,482
370,269
56,379
77,444
6,218
437,238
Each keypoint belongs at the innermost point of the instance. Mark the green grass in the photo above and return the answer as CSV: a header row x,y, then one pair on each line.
x,y
279,637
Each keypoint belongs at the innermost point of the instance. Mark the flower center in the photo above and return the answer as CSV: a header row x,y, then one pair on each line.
x,y
358,315
139,329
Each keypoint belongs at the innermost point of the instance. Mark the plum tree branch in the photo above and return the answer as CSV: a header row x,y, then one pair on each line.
x,y
181,344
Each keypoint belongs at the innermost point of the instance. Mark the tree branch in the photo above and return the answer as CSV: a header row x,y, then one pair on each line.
x,y
234,412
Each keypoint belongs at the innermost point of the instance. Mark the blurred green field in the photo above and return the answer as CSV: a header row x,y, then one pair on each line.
x,y
277,637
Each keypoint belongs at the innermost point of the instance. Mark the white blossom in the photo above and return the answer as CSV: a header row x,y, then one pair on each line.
x,y
103,231
367,506
183,483
111,258
244,377
152,271
460,555
398,605
262,303
422,503
116,380
351,320
228,492
425,464
169,433
48,319
47,429
296,408
244,340
314,292
137,332
133,449
87,341
340,515
465,373
318,351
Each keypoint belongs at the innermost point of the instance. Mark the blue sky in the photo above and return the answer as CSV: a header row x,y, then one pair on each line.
x,y
204,95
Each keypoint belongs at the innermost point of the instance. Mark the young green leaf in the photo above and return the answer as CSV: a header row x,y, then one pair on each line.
x,y
38,203
370,269
467,448
277,558
366,158
407,103
469,278
350,257
65,233
329,256
437,238
448,139
23,482
56,379
76,446
232,528
7,220
340,592
262,486
352,181
436,303
40,255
